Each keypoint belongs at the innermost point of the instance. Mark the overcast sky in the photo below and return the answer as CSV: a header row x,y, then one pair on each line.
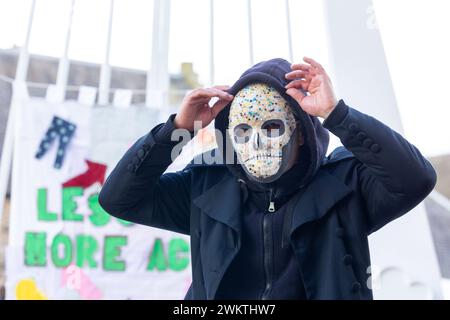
x,y
415,35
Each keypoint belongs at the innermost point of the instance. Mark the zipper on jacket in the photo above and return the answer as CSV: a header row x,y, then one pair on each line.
x,y
268,247
271,202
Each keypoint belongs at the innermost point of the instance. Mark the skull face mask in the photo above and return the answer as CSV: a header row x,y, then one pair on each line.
x,y
263,132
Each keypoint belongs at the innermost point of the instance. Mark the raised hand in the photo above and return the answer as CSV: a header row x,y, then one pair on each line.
x,y
312,78
195,107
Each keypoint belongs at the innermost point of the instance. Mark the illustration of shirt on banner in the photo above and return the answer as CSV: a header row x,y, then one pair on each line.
x,y
64,131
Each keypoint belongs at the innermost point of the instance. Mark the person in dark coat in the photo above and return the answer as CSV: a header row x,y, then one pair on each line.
x,y
275,218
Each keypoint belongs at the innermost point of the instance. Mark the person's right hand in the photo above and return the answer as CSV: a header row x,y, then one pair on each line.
x,y
195,107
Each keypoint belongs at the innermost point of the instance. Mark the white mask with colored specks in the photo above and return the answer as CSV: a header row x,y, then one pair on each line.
x,y
263,131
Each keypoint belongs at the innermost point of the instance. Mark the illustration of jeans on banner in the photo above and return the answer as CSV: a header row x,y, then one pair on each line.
x,y
64,131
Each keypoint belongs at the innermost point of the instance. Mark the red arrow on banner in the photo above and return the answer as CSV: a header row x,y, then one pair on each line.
x,y
94,173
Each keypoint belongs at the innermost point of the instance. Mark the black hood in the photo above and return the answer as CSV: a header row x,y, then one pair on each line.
x,y
316,137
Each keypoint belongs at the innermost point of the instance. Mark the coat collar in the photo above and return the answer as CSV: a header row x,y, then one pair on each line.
x,y
323,192
222,202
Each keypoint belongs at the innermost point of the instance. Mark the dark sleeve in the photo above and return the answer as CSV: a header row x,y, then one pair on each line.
x,y
138,191
394,177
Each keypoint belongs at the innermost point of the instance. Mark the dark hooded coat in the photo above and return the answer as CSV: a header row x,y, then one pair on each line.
x,y
331,203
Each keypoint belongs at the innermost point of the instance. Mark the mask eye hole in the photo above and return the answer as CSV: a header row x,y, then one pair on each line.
x,y
273,128
242,133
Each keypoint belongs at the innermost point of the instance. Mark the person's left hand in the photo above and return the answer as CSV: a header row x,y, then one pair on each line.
x,y
313,79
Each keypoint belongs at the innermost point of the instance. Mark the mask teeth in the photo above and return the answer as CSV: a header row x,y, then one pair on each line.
x,y
263,157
